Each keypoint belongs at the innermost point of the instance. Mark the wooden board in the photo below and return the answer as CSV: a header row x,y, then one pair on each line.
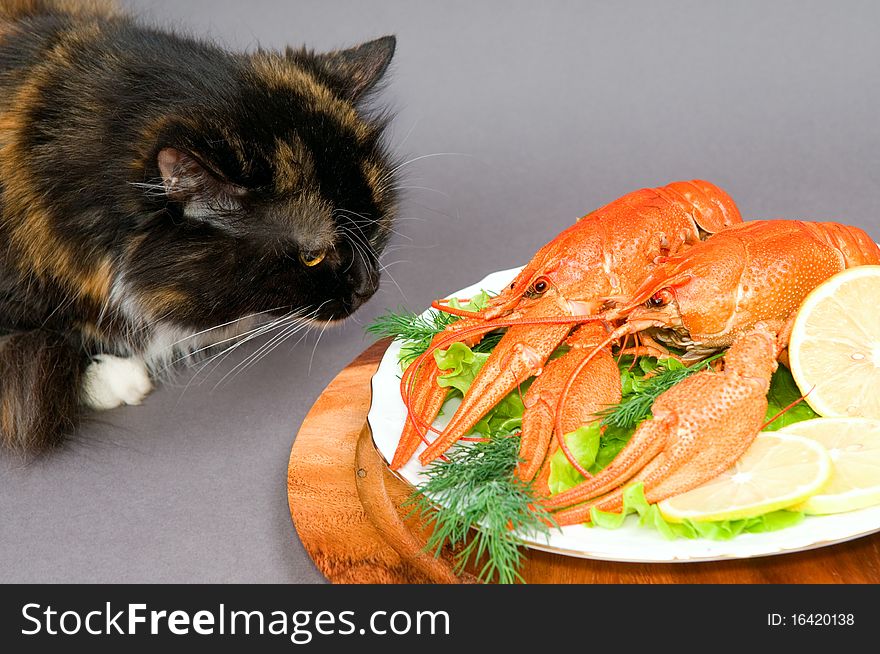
x,y
345,505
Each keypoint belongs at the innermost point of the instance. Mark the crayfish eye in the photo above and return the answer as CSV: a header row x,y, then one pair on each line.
x,y
539,287
311,259
660,298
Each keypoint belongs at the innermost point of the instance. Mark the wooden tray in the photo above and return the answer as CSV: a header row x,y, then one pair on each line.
x,y
345,505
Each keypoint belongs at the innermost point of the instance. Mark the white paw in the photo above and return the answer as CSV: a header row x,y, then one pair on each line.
x,y
111,381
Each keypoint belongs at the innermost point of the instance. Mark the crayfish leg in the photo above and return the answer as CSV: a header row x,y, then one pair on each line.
x,y
426,401
596,387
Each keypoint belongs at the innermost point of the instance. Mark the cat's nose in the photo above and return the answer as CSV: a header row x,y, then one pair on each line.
x,y
363,290
366,288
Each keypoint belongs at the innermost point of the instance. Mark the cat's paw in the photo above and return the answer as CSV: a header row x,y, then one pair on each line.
x,y
111,381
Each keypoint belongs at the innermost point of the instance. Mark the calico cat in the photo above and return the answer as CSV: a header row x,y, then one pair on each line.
x,y
159,195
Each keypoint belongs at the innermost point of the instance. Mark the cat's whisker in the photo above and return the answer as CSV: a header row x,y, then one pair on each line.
x,y
318,340
395,263
397,247
257,332
302,319
361,219
355,246
363,247
236,337
434,210
270,345
226,324
155,189
409,133
306,327
357,239
421,188
301,338
384,269
281,323
395,232
262,351
358,243
408,162
354,216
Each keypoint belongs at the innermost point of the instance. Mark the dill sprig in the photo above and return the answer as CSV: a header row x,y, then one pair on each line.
x,y
635,406
417,330
477,504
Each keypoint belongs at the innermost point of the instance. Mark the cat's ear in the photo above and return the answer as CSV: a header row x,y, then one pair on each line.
x,y
182,175
186,179
359,68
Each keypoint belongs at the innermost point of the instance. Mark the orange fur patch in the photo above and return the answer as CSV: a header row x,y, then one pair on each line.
x,y
28,220
376,177
160,302
278,73
14,9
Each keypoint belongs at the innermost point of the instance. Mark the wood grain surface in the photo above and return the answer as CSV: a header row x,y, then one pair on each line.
x,y
345,504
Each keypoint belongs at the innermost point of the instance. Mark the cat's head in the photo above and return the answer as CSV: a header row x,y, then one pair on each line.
x,y
271,193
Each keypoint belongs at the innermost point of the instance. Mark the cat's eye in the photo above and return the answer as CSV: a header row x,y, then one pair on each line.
x,y
311,259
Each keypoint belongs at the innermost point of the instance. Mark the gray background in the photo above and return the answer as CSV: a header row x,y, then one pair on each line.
x,y
553,109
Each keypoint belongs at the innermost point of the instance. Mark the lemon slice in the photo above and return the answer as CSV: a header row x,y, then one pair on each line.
x,y
854,446
835,345
776,472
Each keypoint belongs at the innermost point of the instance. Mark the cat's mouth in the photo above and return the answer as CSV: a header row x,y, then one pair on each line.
x,y
337,310
333,311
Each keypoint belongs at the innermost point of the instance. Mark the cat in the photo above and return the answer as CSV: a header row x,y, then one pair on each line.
x,y
160,195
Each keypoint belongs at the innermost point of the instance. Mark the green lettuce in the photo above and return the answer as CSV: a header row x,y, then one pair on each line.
x,y
462,365
592,448
784,391
476,303
634,502
505,418
635,377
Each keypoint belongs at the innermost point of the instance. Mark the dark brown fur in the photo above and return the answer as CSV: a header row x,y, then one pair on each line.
x,y
154,182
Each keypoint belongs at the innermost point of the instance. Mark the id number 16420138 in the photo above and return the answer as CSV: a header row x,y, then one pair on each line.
x,y
811,619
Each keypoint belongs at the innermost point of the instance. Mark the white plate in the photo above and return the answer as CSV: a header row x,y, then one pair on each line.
x,y
630,542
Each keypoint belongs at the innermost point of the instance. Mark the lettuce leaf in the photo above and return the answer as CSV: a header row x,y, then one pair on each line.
x,y
593,446
784,391
505,418
584,445
462,365
649,516
476,303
